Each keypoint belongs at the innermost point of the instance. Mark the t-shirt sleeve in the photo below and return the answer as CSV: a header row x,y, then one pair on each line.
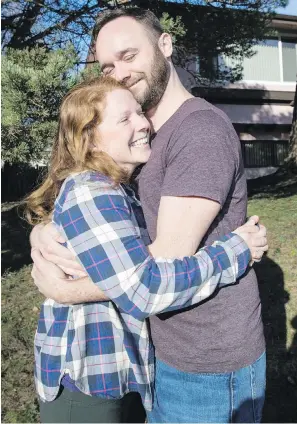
x,y
202,158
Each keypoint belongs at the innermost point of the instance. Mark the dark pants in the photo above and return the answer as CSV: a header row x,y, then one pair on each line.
x,y
76,407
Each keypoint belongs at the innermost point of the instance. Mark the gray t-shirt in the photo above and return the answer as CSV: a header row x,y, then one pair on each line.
x,y
197,153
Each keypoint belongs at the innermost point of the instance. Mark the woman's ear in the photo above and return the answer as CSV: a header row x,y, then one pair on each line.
x,y
165,45
94,142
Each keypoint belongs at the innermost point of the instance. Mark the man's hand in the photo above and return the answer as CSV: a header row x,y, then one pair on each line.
x,y
52,265
52,283
47,239
255,237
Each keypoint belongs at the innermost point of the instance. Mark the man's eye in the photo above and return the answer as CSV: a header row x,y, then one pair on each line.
x,y
124,120
129,58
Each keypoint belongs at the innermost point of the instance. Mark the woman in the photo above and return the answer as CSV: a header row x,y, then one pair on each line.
x,y
103,349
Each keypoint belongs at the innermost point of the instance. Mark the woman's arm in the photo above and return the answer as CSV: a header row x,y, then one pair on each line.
x,y
99,229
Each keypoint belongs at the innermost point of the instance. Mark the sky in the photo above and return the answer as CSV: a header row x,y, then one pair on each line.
x,y
291,9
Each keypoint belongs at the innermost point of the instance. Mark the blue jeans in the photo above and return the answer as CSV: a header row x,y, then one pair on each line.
x,y
235,397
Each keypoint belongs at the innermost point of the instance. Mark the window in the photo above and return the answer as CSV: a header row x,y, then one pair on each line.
x,y
289,58
274,60
264,65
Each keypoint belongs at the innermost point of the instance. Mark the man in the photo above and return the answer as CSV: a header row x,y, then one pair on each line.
x,y
210,359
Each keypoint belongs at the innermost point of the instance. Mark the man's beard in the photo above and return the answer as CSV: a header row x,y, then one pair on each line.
x,y
156,82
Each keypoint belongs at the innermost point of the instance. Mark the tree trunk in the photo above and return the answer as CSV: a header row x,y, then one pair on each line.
x,y
292,157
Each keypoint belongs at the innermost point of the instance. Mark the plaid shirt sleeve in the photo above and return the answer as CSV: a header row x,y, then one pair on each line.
x,y
101,230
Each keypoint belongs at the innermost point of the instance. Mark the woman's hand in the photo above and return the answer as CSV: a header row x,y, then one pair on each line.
x,y
255,236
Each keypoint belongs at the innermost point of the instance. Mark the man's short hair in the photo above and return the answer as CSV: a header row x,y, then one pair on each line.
x,y
145,17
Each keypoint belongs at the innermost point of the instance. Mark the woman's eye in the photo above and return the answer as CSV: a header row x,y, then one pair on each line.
x,y
123,120
107,71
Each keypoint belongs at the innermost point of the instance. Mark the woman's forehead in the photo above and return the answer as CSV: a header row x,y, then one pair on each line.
x,y
120,102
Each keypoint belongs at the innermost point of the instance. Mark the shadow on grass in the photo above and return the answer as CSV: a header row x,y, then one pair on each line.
x,y
281,391
15,238
281,184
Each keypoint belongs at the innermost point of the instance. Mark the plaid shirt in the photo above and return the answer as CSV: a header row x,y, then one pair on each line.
x,y
105,347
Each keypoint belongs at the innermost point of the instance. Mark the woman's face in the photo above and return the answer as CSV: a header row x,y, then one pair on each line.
x,y
124,130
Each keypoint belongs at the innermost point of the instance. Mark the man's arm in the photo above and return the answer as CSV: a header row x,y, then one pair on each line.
x,y
48,240
182,224
54,284
202,165
53,263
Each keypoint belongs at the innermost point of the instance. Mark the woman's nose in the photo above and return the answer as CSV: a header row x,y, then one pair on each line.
x,y
142,123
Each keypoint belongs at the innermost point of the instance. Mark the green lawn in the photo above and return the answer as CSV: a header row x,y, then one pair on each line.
x,y
277,206
277,275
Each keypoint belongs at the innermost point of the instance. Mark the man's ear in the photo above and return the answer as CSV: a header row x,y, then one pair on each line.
x,y
165,45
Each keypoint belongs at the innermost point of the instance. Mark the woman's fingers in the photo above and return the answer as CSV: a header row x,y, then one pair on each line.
x,y
260,241
247,228
253,220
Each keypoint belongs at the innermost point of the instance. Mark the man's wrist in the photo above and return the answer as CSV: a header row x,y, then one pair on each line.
x,y
82,290
67,294
77,291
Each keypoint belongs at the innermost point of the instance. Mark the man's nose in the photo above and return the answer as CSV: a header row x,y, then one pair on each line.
x,y
122,73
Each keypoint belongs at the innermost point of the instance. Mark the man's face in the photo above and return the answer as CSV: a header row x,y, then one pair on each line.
x,y
127,53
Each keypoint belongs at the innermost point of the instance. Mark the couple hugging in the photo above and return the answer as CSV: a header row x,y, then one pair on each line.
x,y
151,306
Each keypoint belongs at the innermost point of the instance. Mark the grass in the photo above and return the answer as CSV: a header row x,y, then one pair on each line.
x,y
20,307
274,200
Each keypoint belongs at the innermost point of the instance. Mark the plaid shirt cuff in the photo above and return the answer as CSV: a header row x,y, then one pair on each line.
x,y
240,249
